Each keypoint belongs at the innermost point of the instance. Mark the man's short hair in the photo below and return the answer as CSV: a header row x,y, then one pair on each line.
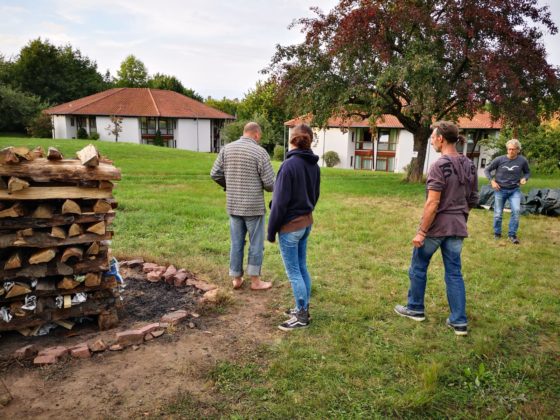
x,y
448,130
513,142
252,127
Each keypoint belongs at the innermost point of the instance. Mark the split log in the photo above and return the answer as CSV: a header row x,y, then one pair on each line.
x,y
67,283
92,279
54,154
75,230
102,206
98,228
18,289
16,210
71,206
66,170
43,211
13,262
16,184
8,155
45,285
58,232
93,249
43,256
16,310
42,193
45,240
72,252
24,233
22,153
37,153
89,156
105,185
55,220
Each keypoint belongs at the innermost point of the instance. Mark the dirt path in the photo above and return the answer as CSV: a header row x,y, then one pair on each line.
x,y
132,383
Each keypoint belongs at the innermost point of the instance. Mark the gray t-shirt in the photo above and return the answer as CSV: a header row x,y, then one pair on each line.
x,y
455,177
508,171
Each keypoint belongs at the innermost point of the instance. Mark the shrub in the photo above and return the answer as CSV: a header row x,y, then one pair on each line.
x,y
278,153
331,158
94,136
158,139
40,126
82,133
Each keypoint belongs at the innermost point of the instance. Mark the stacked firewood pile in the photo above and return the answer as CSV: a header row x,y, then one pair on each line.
x,y
55,215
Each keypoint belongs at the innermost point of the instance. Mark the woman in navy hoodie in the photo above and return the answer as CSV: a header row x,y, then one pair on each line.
x,y
296,192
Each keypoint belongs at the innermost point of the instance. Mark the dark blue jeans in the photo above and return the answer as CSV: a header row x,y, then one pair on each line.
x,y
451,247
500,197
293,247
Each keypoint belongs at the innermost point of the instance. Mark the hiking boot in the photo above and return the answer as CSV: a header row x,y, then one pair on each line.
x,y
293,312
459,330
513,239
408,313
299,320
497,236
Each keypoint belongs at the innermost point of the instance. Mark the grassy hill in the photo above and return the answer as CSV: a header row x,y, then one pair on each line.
x,y
358,359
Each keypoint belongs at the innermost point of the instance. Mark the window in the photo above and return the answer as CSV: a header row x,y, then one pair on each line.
x,y
387,140
351,161
363,139
81,122
92,125
483,163
148,125
72,123
166,126
386,164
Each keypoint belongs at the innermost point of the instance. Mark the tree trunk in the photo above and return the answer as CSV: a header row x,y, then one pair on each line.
x,y
421,138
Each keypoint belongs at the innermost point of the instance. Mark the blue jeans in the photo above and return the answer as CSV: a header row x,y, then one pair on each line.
x,y
238,228
293,247
500,197
451,247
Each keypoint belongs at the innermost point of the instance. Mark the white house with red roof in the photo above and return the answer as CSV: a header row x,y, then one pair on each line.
x,y
183,122
388,146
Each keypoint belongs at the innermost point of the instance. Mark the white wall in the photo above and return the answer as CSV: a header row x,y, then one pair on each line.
x,y
129,134
194,135
336,140
62,127
405,150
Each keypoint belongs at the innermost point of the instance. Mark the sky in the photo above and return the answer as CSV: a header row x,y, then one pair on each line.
x,y
216,47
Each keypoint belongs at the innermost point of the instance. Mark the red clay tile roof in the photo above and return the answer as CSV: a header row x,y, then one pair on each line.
x,y
139,102
480,120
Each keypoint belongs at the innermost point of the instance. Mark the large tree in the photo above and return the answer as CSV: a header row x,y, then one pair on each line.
x,y
132,73
55,74
164,81
420,61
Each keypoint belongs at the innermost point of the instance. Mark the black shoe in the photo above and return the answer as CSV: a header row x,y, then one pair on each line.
x,y
293,312
459,330
497,236
404,311
514,240
299,320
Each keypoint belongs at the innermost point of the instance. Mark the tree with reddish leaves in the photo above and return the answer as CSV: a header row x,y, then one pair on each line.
x,y
421,60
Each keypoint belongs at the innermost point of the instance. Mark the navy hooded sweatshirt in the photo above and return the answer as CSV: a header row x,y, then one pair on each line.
x,y
296,189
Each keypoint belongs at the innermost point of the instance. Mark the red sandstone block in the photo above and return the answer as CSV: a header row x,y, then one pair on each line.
x,y
130,337
174,318
179,279
57,351
25,352
97,346
157,333
154,276
45,360
149,328
149,267
81,352
169,273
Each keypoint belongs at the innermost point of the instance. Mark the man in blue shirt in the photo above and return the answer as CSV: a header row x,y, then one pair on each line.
x,y
510,172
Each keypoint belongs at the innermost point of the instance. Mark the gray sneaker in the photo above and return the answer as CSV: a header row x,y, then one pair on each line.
x,y
459,330
408,313
293,312
299,320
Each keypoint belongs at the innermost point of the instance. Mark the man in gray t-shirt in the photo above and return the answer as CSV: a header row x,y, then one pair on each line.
x,y
510,172
452,190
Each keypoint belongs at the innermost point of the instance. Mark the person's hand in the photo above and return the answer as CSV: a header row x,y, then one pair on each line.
x,y
523,181
418,240
495,185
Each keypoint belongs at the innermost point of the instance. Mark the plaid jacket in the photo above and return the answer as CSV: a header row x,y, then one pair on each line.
x,y
243,168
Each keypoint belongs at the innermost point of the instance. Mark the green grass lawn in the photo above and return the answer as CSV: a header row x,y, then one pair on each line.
x,y
358,359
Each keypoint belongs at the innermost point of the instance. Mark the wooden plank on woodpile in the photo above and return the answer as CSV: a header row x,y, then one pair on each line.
x,y
53,268
23,233
105,185
43,193
56,220
42,256
89,156
75,230
16,184
18,289
43,170
13,262
44,240
17,210
67,283
58,232
92,279
43,211
93,249
8,155
54,154
102,206
70,206
72,252
98,228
